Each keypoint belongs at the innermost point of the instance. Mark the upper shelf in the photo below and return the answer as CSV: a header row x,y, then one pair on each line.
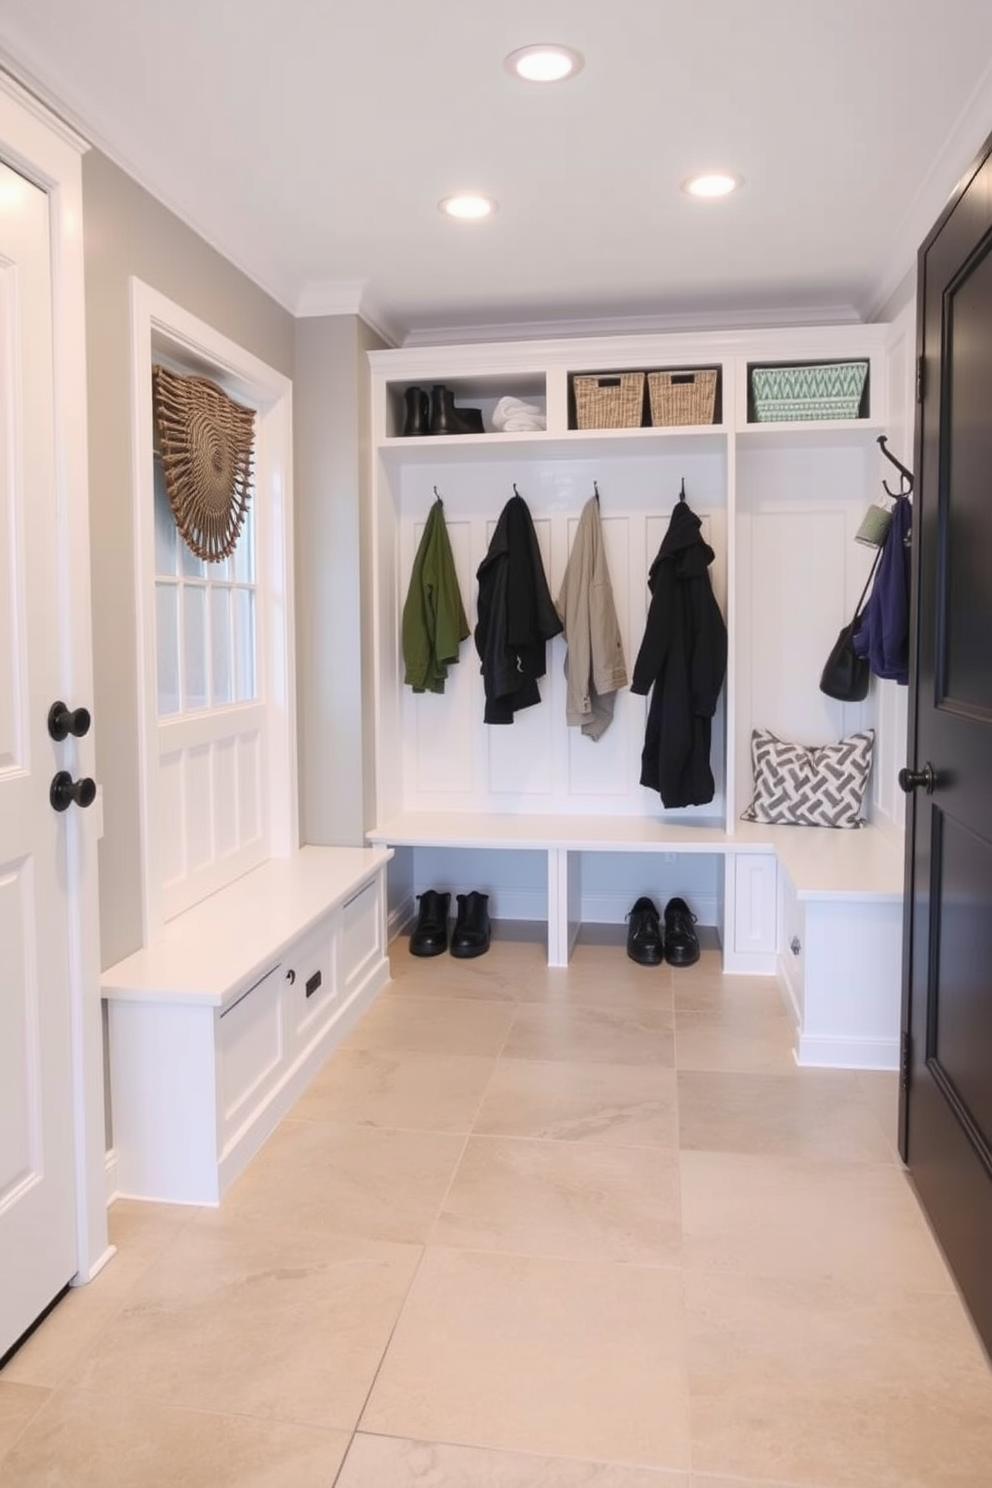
x,y
572,444
543,374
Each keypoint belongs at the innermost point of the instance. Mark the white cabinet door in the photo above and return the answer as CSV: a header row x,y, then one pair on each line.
x,y
37,1197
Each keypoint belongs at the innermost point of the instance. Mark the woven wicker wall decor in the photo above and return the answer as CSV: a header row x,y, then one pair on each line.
x,y
207,443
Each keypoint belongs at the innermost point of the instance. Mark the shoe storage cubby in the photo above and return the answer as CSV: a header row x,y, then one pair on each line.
x,y
652,398
480,391
554,826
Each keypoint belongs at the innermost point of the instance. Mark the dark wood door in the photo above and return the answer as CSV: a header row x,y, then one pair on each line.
x,y
947,1105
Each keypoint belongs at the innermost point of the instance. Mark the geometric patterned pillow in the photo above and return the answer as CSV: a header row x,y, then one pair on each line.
x,y
798,786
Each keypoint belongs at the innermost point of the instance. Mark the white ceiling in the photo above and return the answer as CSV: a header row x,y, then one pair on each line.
x,y
311,142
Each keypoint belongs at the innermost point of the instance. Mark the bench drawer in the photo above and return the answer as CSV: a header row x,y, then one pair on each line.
x,y
250,1049
310,988
361,936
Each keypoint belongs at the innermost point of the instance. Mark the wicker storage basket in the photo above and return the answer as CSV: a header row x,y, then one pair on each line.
x,y
828,391
682,397
612,401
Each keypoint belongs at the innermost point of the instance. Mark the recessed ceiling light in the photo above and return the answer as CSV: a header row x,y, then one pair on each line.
x,y
467,206
544,62
711,184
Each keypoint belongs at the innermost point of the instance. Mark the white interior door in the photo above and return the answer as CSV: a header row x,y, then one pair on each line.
x,y
37,1192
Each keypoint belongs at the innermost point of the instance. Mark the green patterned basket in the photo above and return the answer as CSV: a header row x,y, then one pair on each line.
x,y
829,391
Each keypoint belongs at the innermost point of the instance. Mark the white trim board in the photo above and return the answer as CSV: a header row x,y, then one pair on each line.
x,y
160,327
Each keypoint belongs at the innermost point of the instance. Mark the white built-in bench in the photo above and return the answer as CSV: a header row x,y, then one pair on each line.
x,y
820,909
217,1026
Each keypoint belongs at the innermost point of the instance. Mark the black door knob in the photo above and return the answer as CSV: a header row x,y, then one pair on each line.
x,y
911,780
63,721
65,790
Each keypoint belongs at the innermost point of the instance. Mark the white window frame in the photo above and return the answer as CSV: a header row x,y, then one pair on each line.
x,y
162,330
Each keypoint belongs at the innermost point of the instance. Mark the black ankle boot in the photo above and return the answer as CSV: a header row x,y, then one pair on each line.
x,y
447,419
472,931
417,411
430,937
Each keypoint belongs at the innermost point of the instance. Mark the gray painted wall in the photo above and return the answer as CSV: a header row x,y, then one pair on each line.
x,y
127,232
331,421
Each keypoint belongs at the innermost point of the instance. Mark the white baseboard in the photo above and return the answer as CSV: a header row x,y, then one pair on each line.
x,y
842,1053
112,1188
80,1280
737,963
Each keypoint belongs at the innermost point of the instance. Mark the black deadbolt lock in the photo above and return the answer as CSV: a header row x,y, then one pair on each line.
x,y
63,721
65,790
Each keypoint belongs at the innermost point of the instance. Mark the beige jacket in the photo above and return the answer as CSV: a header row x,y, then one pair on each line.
x,y
594,661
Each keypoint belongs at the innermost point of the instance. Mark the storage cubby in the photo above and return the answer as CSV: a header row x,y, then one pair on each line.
x,y
650,398
777,407
482,391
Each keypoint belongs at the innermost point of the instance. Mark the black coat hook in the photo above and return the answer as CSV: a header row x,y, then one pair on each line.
x,y
906,476
437,494
682,491
515,491
595,491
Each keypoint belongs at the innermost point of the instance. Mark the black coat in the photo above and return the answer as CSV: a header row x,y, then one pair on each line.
x,y
683,656
516,615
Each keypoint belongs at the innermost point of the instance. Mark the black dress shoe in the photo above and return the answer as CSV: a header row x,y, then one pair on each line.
x,y
681,940
644,934
472,931
430,937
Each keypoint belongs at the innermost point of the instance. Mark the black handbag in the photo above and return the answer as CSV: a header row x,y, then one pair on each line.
x,y
845,674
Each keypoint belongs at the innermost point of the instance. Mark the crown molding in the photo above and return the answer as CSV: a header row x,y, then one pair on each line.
x,y
348,297
27,92
330,297
78,129
949,168
633,325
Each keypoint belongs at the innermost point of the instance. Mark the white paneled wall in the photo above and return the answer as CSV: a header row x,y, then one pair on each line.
x,y
451,759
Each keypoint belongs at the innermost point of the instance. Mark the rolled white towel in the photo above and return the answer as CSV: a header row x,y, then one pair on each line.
x,y
513,414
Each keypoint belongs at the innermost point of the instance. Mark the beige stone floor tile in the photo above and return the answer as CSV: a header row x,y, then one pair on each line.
x,y
837,1386
381,1087
734,1037
18,1404
502,974
566,1358
880,1088
703,1480
815,1114
775,1216
558,1199
70,1328
602,976
245,1322
432,1025
84,1440
713,992
142,1232
327,1178
625,1105
586,1035
393,1462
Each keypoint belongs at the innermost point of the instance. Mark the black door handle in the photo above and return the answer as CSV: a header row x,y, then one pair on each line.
x,y
65,790
910,780
63,721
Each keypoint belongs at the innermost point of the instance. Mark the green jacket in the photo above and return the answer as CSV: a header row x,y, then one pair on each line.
x,y
434,623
